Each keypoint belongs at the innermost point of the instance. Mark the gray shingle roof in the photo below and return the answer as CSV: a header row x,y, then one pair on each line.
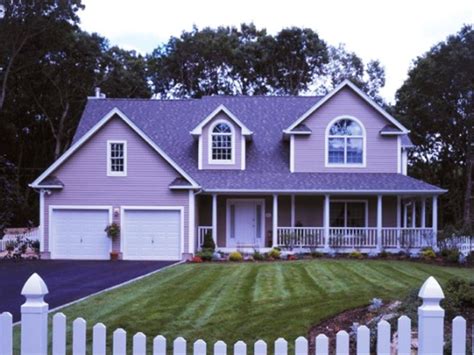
x,y
168,123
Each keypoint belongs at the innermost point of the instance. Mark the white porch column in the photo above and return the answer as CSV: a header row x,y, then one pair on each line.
x,y
413,213
214,218
379,222
423,212
326,214
192,223
399,219
41,220
275,221
435,220
293,212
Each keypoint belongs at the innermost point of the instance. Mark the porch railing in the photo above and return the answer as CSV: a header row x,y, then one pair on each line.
x,y
392,238
300,236
353,237
202,231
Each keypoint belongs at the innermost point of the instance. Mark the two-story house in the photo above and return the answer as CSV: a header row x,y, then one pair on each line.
x,y
322,173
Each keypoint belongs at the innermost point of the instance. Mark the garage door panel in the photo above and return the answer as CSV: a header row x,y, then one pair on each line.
x,y
79,234
152,234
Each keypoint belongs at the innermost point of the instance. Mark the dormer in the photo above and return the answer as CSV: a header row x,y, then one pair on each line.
x,y
346,131
222,141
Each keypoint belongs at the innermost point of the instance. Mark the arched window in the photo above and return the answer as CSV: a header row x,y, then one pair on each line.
x,y
345,143
221,138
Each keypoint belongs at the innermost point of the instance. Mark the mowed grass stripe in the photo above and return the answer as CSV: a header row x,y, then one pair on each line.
x,y
249,301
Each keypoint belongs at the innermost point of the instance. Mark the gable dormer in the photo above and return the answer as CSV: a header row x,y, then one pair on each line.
x,y
222,140
346,131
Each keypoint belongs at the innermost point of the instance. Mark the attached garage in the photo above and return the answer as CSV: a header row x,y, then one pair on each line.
x,y
152,233
78,232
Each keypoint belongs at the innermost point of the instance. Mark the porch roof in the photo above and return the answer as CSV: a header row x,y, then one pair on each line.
x,y
386,183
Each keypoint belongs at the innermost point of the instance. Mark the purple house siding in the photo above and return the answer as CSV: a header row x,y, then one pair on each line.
x,y
86,182
382,151
206,141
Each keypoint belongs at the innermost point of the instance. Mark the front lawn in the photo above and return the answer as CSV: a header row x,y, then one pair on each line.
x,y
249,301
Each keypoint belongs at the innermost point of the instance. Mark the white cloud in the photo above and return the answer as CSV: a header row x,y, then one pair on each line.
x,y
395,32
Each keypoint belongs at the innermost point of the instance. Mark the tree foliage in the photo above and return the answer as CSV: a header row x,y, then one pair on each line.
x,y
249,61
436,103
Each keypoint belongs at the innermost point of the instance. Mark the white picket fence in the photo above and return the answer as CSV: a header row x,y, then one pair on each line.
x,y
465,244
34,333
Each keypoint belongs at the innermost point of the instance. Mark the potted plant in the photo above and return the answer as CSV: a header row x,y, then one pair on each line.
x,y
113,231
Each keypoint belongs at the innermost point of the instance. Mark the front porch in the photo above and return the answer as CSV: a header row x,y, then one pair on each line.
x,y
325,223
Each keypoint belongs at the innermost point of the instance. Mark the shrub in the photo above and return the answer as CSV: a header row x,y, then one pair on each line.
x,y
274,253
451,255
356,255
205,254
235,256
316,254
292,257
459,297
10,245
196,259
208,242
470,258
428,254
257,256
383,254
35,244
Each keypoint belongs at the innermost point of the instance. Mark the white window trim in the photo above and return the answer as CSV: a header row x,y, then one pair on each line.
x,y
232,144
327,164
345,201
109,163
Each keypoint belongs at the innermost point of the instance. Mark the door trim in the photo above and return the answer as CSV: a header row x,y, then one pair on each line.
x,y
260,201
151,208
51,209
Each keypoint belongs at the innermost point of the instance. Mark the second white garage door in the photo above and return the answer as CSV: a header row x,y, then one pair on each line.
x,y
151,234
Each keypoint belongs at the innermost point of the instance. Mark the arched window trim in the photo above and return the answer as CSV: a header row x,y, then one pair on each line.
x,y
364,144
232,143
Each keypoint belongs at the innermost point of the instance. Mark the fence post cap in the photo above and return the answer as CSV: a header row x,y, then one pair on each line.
x,y
34,286
431,289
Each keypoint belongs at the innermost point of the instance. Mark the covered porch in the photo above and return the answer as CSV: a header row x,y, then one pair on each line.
x,y
331,222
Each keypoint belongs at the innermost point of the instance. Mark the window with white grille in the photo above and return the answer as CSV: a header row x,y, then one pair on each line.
x,y
221,143
117,158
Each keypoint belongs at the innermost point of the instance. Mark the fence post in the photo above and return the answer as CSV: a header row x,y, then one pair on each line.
x,y
430,318
34,317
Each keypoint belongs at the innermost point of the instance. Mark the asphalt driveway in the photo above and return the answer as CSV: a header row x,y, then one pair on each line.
x,y
67,280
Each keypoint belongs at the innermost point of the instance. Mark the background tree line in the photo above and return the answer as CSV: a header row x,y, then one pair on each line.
x,y
48,67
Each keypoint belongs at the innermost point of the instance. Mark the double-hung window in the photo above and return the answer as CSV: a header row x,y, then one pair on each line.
x,y
348,214
117,158
345,144
222,144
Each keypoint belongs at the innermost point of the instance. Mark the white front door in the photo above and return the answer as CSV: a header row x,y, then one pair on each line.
x,y
245,219
151,234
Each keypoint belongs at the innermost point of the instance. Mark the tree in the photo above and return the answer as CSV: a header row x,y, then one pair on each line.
x,y
436,103
344,65
234,61
21,25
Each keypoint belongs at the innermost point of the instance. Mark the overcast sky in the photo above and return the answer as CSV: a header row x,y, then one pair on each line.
x,y
395,32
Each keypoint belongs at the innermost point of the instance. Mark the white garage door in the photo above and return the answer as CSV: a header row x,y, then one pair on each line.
x,y
152,234
79,234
